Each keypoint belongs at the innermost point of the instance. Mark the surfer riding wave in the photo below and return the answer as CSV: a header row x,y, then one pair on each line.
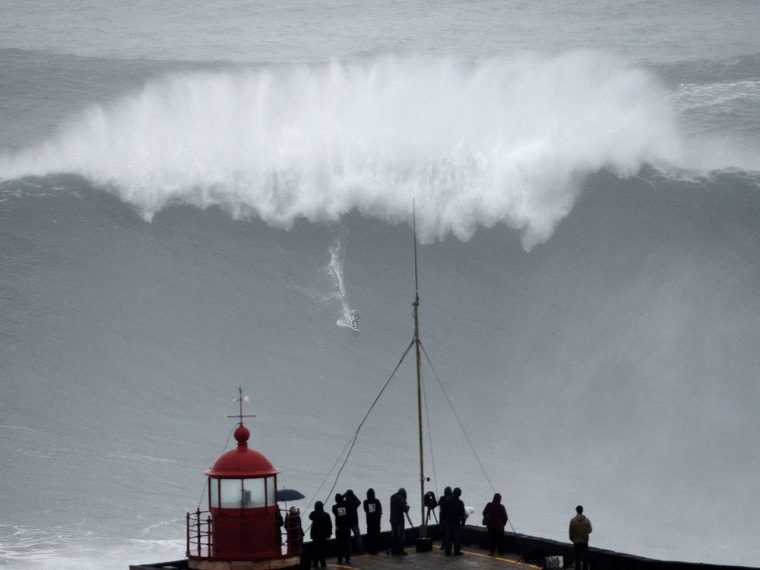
x,y
349,317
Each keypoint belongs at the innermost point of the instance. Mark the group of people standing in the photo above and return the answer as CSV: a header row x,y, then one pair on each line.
x,y
452,513
346,513
452,520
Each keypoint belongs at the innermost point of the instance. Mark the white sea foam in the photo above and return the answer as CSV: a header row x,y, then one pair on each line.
x,y
500,140
702,96
73,548
335,270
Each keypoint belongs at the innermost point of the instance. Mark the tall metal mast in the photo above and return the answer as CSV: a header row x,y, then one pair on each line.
x,y
416,304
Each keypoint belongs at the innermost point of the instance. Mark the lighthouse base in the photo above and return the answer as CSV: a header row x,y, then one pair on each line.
x,y
276,564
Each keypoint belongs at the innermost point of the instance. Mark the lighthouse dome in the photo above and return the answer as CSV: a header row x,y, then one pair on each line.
x,y
242,461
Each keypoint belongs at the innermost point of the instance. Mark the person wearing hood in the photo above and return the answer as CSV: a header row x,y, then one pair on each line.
x,y
342,529
352,504
443,504
374,511
294,530
321,530
495,519
580,529
399,509
455,517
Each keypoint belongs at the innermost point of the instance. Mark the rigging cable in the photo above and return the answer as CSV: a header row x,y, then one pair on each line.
x,y
451,405
205,486
467,437
430,438
352,441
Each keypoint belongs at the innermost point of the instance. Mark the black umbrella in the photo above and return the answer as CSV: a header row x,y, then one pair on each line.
x,y
289,495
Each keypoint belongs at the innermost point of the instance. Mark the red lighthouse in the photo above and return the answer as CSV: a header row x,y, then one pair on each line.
x,y
242,530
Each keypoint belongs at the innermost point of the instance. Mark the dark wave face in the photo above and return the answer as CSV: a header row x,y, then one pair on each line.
x,y
621,350
212,211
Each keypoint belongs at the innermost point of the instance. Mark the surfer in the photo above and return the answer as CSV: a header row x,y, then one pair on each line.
x,y
354,318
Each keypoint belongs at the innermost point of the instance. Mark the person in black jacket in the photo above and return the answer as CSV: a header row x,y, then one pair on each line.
x,y
495,519
321,530
342,529
399,508
374,511
443,505
352,504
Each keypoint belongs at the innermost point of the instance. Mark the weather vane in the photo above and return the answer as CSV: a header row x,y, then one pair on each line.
x,y
240,399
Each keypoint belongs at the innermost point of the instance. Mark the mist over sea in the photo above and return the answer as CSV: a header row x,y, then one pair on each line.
x,y
195,196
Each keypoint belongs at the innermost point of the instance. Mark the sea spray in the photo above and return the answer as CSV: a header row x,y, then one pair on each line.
x,y
348,316
475,143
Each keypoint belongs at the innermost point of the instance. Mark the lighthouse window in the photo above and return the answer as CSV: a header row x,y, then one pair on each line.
x,y
226,493
213,487
230,493
254,493
242,493
271,484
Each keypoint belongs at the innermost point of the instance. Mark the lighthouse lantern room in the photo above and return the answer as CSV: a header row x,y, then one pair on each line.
x,y
243,527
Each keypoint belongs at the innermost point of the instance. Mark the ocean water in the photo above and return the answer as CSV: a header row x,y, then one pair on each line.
x,y
194,197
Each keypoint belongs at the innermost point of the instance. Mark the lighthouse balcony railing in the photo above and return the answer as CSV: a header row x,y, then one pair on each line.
x,y
200,539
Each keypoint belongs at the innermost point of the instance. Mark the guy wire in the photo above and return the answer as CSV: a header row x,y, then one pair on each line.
x,y
467,437
352,441
451,405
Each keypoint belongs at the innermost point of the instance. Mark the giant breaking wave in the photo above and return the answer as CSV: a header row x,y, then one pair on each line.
x,y
502,140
